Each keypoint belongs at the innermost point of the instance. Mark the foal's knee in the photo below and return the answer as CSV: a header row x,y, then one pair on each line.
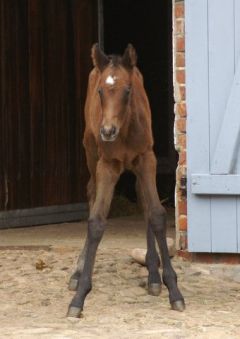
x,y
157,220
96,228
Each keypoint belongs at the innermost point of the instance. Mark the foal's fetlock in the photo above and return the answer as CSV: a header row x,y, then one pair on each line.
x,y
176,300
175,297
154,278
74,281
178,305
169,278
154,289
154,283
76,306
74,311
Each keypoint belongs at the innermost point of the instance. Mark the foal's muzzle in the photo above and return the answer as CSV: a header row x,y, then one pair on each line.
x,y
108,133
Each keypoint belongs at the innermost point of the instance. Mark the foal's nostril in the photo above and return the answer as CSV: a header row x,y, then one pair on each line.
x,y
114,130
108,132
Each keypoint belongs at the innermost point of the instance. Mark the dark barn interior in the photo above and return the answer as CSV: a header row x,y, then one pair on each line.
x,y
148,26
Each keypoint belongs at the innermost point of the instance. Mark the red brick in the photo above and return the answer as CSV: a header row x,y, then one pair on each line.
x,y
180,76
179,26
183,241
185,255
182,223
179,197
178,174
182,207
179,177
182,90
181,171
209,258
181,110
180,59
180,44
181,125
179,10
182,158
181,140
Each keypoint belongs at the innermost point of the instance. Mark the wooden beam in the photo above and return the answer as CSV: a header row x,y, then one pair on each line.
x,y
215,184
43,215
100,25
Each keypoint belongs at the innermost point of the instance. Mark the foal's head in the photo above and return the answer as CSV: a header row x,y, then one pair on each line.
x,y
114,90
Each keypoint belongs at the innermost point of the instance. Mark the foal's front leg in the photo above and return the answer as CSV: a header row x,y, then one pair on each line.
x,y
106,178
91,193
74,280
146,173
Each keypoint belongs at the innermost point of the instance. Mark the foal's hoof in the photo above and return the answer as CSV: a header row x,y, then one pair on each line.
x,y
178,305
74,312
73,282
154,289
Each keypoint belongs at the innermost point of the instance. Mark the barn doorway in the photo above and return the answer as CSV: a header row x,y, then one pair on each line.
x,y
147,24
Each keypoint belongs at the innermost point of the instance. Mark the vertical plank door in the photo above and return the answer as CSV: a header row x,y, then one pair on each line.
x,y
213,124
45,60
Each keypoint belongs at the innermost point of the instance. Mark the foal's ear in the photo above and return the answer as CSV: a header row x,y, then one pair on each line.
x,y
100,60
129,59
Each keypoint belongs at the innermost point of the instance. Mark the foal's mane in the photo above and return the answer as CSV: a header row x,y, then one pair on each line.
x,y
115,60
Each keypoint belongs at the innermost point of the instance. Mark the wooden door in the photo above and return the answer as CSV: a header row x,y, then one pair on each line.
x,y
45,61
213,128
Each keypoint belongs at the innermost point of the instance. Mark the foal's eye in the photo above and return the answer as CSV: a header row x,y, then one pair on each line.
x,y
100,92
128,90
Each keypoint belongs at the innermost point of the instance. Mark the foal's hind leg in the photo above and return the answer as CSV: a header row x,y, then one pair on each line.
x,y
152,257
146,172
107,176
153,263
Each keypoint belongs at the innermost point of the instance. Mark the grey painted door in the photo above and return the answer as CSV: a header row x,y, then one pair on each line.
x,y
213,106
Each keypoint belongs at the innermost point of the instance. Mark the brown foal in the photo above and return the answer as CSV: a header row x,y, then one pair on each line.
x,y
118,136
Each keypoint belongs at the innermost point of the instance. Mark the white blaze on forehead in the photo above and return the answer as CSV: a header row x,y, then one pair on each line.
x,y
111,80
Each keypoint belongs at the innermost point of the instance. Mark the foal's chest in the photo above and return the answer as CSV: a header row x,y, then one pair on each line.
x,y
125,154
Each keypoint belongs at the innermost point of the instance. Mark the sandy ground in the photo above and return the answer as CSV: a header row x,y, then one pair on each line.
x,y
34,302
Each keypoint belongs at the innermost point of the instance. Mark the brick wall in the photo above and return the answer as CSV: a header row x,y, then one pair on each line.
x,y
180,122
